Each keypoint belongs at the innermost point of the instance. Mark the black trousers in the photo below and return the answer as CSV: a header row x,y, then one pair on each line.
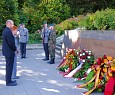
x,y
9,68
23,49
45,45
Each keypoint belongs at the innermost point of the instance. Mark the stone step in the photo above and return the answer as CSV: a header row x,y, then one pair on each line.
x,y
59,45
58,48
57,52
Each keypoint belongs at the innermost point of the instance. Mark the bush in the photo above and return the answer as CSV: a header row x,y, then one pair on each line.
x,y
100,20
35,38
66,25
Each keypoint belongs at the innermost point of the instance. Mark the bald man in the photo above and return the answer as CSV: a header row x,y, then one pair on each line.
x,y
8,50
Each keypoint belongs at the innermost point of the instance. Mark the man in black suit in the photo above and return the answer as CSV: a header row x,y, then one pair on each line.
x,y
8,50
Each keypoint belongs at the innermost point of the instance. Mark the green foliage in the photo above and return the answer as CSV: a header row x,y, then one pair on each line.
x,y
101,20
35,38
34,12
66,25
88,78
88,6
63,68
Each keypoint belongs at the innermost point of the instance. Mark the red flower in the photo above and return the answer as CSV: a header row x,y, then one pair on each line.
x,y
101,77
84,57
86,54
100,86
105,57
99,61
79,78
85,75
91,55
81,57
83,50
79,53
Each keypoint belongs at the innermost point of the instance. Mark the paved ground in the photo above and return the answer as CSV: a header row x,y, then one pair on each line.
x,y
38,78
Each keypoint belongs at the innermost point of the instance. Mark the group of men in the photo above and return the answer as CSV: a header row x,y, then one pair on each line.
x,y
10,48
49,42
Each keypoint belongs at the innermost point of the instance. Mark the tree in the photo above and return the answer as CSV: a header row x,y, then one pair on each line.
x,y
8,10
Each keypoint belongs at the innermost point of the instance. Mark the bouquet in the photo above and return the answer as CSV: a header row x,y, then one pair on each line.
x,y
101,71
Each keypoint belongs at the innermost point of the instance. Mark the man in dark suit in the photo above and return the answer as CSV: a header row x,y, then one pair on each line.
x,y
8,50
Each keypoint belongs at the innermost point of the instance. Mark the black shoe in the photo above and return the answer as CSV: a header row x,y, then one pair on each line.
x,y
11,84
51,62
45,59
13,81
24,56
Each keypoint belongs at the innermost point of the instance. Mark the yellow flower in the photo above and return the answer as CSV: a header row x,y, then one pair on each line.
x,y
97,68
105,60
105,70
102,63
99,80
113,68
109,58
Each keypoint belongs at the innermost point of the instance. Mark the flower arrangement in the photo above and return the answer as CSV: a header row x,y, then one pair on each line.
x,y
101,72
87,58
76,63
68,63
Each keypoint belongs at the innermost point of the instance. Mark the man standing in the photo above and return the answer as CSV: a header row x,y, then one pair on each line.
x,y
52,44
45,35
8,50
23,39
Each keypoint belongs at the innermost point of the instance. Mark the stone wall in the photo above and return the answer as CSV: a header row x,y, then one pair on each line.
x,y
99,42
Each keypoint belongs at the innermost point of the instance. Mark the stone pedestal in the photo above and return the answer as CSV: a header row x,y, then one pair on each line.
x,y
99,42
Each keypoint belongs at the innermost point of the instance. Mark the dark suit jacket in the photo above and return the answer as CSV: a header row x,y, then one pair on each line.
x,y
8,43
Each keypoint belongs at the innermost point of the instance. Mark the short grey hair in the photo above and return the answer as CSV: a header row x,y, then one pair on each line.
x,y
11,21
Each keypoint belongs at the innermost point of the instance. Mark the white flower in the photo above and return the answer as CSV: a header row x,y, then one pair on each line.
x,y
83,53
77,52
86,51
83,60
80,54
88,57
89,51
66,70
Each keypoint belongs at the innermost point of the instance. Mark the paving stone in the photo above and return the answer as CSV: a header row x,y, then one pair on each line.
x,y
36,77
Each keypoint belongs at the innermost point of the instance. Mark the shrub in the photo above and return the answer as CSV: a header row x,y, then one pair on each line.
x,y
35,38
66,25
100,20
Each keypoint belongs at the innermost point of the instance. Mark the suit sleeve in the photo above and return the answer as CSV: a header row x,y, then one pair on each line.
x,y
11,41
